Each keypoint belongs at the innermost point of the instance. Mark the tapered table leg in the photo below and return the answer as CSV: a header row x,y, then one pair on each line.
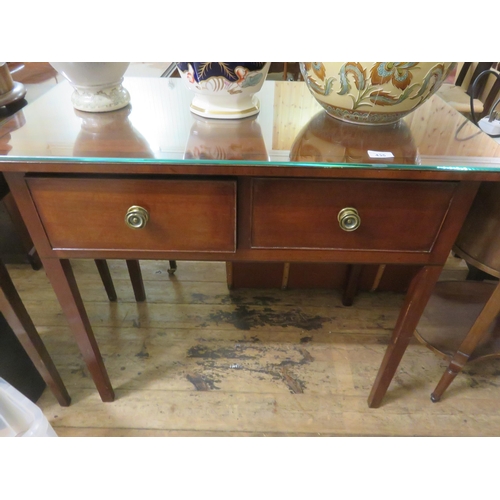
x,y
103,268
64,284
19,320
134,270
470,342
416,299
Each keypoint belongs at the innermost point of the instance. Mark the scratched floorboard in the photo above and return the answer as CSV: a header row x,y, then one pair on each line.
x,y
196,360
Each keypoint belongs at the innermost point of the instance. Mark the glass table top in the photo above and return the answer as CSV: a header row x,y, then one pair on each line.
x,y
291,129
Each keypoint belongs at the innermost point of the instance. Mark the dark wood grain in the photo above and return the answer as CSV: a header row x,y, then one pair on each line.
x,y
402,216
184,215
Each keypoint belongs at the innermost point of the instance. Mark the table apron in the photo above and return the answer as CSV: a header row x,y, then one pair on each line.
x,y
259,255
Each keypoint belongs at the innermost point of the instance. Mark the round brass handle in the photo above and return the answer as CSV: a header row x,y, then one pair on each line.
x,y
137,217
349,219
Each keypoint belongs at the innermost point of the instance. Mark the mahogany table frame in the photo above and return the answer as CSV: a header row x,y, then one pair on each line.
x,y
60,274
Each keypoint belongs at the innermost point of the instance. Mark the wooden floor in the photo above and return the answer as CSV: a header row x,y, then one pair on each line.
x,y
198,360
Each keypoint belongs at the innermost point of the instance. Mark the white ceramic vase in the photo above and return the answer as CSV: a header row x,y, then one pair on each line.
x,y
98,85
224,90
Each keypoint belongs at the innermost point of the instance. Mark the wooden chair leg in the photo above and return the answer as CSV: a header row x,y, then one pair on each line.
x,y
19,320
134,270
351,289
102,267
470,342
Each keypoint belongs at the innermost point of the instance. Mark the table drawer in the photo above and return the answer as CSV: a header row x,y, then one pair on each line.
x,y
395,215
184,215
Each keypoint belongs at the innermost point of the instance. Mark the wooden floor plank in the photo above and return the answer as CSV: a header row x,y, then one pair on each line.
x,y
209,412
110,432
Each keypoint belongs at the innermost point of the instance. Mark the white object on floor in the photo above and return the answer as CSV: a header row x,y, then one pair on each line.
x,y
19,417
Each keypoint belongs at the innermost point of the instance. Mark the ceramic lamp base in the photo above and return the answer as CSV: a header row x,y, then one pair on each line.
x,y
224,108
100,100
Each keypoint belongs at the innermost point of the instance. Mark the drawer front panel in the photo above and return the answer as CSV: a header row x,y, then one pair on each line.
x,y
184,215
395,215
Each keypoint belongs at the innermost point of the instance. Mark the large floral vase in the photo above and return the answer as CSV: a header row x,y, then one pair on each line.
x,y
373,93
224,90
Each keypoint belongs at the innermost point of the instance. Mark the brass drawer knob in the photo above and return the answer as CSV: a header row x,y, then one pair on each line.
x,y
137,217
349,219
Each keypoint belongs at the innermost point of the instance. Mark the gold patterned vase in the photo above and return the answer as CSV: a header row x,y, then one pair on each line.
x,y
373,93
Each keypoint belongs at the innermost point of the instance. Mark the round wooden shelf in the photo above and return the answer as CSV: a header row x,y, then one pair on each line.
x,y
450,313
